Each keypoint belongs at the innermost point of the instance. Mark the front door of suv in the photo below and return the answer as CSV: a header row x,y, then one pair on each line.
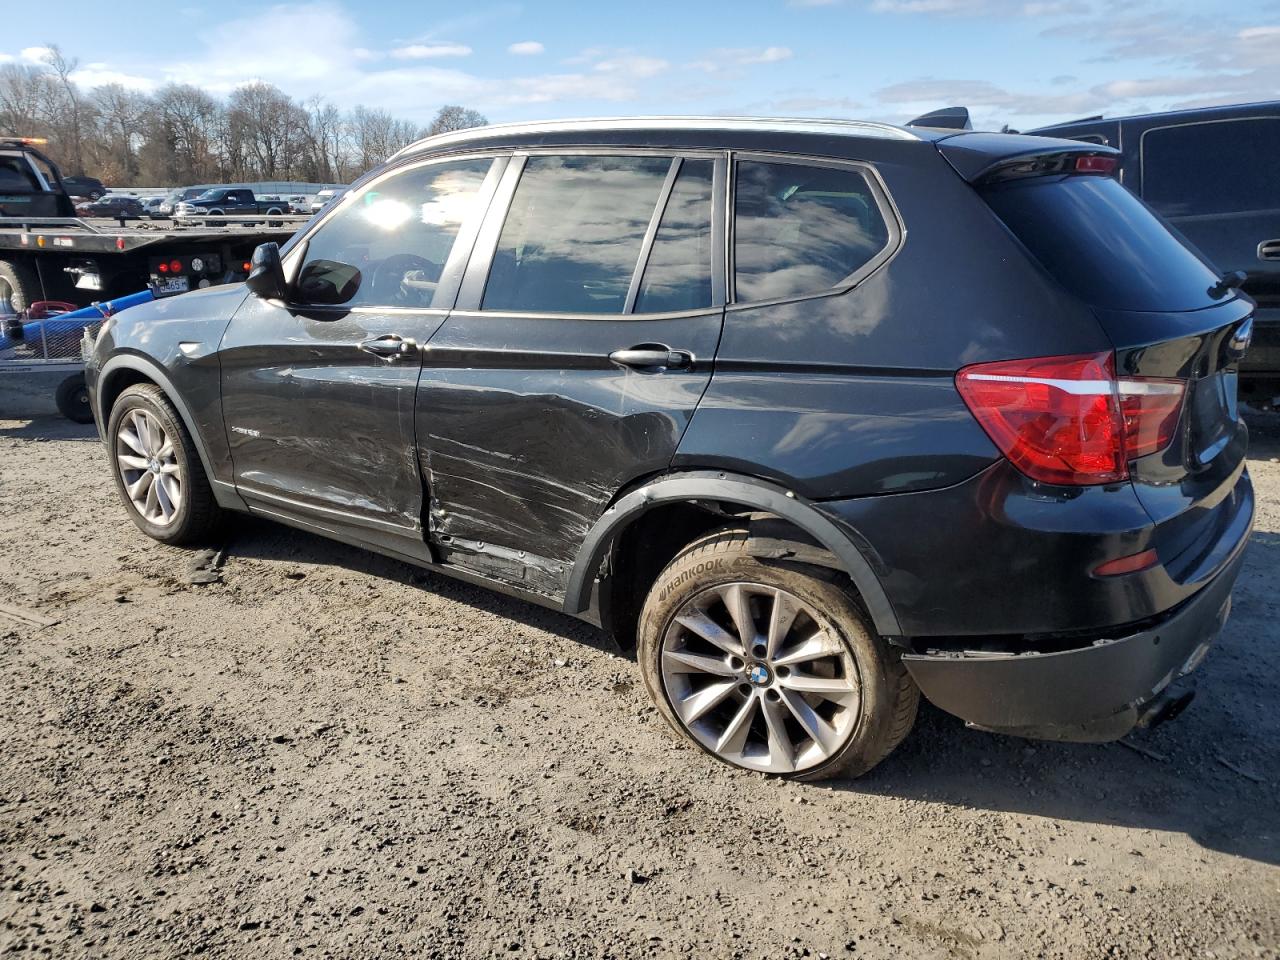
x,y
318,399
582,341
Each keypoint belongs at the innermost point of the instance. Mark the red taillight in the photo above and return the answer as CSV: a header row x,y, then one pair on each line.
x,y
175,266
1151,409
163,268
1069,420
1105,165
246,267
1130,564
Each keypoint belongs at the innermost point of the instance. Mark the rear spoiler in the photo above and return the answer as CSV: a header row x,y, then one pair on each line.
x,y
987,157
948,118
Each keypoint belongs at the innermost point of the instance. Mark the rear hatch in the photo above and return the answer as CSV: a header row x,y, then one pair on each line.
x,y
1178,334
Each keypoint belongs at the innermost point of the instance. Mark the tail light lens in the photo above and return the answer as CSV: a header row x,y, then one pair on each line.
x,y
1070,420
1150,408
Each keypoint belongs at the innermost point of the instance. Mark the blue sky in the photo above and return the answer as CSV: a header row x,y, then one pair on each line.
x,y
1021,62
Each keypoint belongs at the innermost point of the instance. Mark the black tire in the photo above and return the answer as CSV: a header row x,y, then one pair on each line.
x,y
72,399
18,282
887,697
198,515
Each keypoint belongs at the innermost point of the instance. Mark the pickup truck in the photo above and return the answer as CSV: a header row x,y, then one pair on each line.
x,y
229,202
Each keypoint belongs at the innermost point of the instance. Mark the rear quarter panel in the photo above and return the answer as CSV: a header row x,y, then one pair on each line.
x,y
853,394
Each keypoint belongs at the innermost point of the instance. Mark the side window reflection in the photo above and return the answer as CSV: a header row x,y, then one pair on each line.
x,y
399,232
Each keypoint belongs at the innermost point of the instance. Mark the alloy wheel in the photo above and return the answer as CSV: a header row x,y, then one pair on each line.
x,y
760,678
148,465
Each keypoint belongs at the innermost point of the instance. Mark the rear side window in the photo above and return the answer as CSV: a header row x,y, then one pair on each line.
x,y
801,228
574,232
1212,168
678,274
1102,243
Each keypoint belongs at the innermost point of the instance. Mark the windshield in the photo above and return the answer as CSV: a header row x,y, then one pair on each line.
x,y
210,195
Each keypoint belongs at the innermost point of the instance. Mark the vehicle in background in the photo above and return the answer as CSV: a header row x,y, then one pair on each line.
x,y
88,187
1212,174
298,204
818,416
116,206
230,202
325,197
178,196
47,254
151,207
30,183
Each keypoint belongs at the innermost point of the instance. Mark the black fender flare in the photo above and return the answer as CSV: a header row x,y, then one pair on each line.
x,y
744,491
156,374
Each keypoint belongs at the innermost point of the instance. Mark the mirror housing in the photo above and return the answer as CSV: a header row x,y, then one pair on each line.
x,y
266,273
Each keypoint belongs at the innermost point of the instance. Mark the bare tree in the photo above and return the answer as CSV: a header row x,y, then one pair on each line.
x,y
182,135
453,117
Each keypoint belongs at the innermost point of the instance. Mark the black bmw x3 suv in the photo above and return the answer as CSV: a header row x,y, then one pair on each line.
x,y
817,415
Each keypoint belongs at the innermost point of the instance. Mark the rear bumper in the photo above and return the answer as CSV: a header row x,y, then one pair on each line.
x,y
1094,692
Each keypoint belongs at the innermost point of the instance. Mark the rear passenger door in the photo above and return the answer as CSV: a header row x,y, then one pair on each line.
x,y
581,343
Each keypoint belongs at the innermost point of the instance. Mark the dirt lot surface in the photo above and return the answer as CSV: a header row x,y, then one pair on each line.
x,y
325,753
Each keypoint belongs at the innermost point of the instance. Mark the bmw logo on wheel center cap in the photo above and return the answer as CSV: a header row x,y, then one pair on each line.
x,y
759,674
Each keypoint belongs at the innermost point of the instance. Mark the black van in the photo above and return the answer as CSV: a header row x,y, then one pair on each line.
x,y
816,416
1212,174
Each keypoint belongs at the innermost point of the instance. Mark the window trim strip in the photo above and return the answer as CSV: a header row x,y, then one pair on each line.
x,y
651,231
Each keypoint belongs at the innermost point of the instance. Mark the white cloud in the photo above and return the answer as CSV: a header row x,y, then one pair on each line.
x,y
640,67
526,48
34,54
727,58
100,74
983,8
429,51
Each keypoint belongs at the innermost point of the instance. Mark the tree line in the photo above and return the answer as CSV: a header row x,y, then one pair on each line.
x,y
183,135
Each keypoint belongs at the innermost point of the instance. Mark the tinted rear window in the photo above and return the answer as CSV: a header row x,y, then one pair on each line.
x,y
800,229
1102,243
1227,166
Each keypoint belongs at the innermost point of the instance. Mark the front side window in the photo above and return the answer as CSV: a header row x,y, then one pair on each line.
x,y
399,232
801,229
573,234
1212,168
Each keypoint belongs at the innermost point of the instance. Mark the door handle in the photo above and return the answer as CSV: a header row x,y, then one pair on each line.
x,y
1269,250
652,355
391,346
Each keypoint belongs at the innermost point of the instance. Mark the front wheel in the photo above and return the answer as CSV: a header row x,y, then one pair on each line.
x,y
769,666
157,470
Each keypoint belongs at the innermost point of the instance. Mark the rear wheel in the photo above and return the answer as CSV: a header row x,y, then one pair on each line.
x,y
157,469
771,667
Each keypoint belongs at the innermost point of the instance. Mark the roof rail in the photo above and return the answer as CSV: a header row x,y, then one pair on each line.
x,y
850,128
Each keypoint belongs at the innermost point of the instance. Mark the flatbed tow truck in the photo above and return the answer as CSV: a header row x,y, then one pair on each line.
x,y
52,263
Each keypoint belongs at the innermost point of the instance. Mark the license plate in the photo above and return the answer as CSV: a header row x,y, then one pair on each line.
x,y
172,285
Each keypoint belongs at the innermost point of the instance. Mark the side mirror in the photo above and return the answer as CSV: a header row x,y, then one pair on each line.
x,y
327,283
266,273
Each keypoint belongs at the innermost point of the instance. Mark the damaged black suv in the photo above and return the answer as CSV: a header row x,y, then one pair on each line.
x,y
816,415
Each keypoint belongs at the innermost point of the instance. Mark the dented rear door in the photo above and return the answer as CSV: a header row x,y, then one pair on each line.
x,y
582,342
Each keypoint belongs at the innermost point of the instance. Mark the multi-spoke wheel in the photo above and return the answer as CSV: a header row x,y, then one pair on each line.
x,y
148,464
157,470
770,666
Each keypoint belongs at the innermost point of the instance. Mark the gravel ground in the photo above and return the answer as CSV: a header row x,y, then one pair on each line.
x,y
326,753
